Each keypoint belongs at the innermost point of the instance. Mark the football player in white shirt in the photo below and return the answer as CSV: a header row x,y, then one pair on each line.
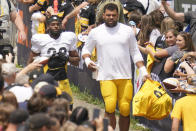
x,y
59,47
115,42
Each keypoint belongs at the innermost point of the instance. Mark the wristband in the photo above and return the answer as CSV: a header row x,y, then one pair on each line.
x,y
143,71
87,61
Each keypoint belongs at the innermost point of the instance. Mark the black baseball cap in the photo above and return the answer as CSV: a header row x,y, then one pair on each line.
x,y
48,91
53,18
46,78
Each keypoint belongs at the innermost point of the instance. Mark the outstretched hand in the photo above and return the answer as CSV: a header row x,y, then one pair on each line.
x,y
99,123
9,58
34,65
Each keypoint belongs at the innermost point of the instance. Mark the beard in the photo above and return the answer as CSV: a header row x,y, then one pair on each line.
x,y
113,24
55,34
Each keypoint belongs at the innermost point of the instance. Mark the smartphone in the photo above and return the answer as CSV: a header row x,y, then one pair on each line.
x,y
96,113
105,124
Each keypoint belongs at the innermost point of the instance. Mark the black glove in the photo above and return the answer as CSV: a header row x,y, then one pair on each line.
x,y
56,65
63,56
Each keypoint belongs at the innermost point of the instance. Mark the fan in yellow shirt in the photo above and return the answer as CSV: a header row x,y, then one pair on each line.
x,y
184,109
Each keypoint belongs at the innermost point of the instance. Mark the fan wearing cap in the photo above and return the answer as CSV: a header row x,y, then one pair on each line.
x,y
59,47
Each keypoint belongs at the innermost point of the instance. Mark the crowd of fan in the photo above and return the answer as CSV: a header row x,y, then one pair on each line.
x,y
33,101
162,39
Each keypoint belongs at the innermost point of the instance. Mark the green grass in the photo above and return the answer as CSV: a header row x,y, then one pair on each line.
x,y
133,125
19,66
85,96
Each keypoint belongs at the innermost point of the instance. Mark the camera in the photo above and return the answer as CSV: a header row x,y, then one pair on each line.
x,y
5,50
96,113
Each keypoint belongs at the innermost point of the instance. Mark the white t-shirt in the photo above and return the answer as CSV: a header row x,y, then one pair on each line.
x,y
22,93
114,47
153,5
46,46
